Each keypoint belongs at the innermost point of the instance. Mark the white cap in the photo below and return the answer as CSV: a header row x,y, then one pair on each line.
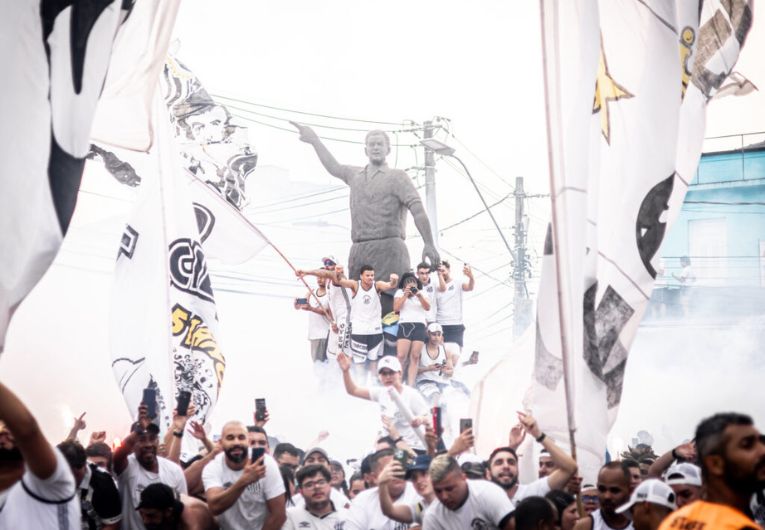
x,y
683,473
435,326
390,362
652,490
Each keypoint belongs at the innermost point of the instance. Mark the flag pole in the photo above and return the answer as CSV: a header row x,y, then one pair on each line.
x,y
553,138
261,235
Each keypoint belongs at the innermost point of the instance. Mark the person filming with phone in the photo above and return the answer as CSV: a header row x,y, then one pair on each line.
x,y
243,486
316,302
137,465
449,305
412,305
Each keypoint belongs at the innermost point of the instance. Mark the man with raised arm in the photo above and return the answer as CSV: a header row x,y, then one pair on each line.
x,y
137,465
380,197
37,488
503,465
389,375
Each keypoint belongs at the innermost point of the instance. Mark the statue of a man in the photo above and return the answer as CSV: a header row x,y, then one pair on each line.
x,y
380,197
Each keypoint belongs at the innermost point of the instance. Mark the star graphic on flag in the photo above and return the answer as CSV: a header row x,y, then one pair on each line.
x,y
606,90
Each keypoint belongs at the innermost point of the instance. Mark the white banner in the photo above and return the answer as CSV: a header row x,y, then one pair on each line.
x,y
164,322
627,86
54,57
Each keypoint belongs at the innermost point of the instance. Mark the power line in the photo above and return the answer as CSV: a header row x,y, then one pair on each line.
x,y
300,197
293,131
360,120
487,166
353,129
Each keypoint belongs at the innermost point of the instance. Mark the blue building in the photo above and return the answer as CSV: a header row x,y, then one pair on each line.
x,y
721,228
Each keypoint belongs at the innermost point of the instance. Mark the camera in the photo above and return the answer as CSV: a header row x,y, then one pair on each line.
x,y
414,290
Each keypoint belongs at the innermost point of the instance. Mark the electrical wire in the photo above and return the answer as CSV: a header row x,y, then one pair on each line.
x,y
487,166
360,120
293,131
320,125
300,197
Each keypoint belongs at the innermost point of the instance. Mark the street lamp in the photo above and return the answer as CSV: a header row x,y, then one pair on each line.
x,y
437,146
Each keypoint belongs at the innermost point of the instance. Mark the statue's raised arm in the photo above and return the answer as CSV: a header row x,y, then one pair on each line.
x,y
326,158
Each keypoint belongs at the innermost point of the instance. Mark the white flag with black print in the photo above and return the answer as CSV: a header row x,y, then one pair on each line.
x,y
164,325
54,56
627,86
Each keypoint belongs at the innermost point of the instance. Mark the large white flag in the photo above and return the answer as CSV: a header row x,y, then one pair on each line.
x,y
54,57
627,85
164,324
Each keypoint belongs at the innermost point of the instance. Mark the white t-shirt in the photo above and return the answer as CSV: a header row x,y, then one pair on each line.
x,y
431,292
449,311
365,312
318,325
598,523
42,504
426,361
413,401
366,513
418,510
538,488
412,310
299,517
250,510
337,497
341,307
134,478
486,506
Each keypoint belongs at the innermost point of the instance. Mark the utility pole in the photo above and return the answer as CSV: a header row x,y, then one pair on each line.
x,y
430,183
521,301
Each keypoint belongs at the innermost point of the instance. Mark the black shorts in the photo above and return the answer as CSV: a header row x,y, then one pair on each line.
x,y
366,347
454,333
412,331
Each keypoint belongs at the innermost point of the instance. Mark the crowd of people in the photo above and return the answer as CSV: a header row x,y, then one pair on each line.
x,y
242,482
422,335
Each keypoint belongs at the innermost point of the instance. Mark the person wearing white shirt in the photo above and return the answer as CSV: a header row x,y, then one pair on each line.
x,y
318,456
137,465
449,302
430,287
318,511
503,464
37,488
317,304
435,368
389,373
339,301
464,503
366,512
412,306
417,473
244,493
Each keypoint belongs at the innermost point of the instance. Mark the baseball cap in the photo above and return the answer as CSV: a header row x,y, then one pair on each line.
x,y
435,326
390,362
151,428
652,490
683,473
157,496
328,261
420,463
319,450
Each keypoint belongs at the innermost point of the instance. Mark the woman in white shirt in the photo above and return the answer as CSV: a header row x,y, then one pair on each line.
x,y
412,306
436,366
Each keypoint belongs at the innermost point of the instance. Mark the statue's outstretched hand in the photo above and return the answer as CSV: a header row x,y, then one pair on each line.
x,y
430,254
307,134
